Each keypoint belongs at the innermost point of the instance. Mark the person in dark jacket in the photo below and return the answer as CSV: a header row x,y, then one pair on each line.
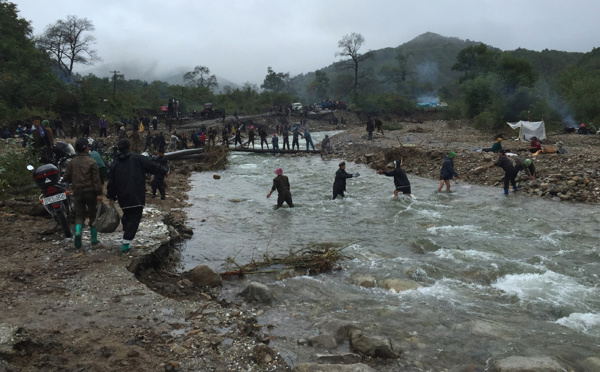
x,y
275,143
339,185
527,166
448,171
286,137
510,173
370,127
127,185
83,175
400,179
251,137
282,184
225,136
263,138
238,139
295,136
158,182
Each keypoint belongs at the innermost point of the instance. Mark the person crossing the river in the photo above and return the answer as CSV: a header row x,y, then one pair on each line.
x,y
251,137
339,185
510,173
400,179
295,136
263,138
282,184
447,172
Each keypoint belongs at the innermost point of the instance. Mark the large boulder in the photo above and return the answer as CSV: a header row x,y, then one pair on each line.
x,y
398,285
257,292
314,367
527,364
366,281
204,276
371,346
323,341
339,329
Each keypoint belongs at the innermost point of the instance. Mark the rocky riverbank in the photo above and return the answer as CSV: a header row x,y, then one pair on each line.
x,y
96,309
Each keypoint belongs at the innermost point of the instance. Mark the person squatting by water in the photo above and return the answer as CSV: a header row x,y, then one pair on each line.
x,y
447,172
510,173
83,175
127,185
339,185
282,185
400,179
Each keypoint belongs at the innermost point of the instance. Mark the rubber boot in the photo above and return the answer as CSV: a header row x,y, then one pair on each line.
x,y
505,191
77,239
125,248
515,188
94,233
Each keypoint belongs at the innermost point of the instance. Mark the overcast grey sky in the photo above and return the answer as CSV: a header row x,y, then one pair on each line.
x,y
239,39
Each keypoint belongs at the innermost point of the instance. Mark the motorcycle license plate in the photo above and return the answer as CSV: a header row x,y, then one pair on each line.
x,y
54,198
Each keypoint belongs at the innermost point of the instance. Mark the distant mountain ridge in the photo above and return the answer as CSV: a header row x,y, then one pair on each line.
x,y
431,58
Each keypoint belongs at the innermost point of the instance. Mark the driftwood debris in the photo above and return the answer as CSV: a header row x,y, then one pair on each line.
x,y
315,259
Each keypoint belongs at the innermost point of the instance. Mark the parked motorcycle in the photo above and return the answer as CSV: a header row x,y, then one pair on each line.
x,y
55,197
63,153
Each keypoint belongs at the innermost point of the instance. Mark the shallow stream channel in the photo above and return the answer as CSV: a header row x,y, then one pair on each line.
x,y
494,276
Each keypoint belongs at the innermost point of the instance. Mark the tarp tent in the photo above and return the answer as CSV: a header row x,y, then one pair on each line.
x,y
528,129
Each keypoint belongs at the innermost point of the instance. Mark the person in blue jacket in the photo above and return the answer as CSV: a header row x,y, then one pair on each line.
x,y
448,172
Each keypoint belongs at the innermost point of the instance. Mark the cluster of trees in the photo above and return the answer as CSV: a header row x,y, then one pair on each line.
x,y
479,82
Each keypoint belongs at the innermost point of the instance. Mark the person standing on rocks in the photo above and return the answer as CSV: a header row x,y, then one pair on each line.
x,y
379,126
447,172
510,173
497,146
83,175
127,185
282,184
370,127
103,126
339,185
326,144
527,166
400,179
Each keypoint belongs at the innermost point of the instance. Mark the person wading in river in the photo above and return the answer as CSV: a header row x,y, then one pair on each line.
x,y
339,185
447,172
400,179
510,173
282,185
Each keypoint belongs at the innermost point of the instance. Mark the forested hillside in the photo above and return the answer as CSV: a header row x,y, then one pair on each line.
x,y
477,81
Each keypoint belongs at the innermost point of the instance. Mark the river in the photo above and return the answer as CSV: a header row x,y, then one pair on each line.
x,y
499,276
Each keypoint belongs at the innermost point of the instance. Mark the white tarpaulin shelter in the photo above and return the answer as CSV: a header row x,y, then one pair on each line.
x,y
528,129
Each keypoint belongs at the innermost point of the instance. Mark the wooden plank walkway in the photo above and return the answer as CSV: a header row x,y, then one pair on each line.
x,y
265,151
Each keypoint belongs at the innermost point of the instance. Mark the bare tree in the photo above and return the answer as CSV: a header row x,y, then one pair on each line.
x,y
68,43
201,77
350,46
